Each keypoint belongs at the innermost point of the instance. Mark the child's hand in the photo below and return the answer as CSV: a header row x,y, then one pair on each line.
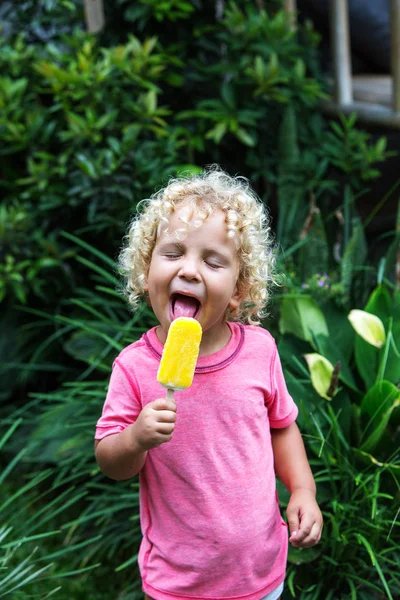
x,y
155,424
304,518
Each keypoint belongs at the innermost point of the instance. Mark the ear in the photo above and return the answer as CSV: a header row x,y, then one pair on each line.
x,y
235,301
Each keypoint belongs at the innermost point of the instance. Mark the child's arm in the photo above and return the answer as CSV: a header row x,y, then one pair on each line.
x,y
292,468
122,455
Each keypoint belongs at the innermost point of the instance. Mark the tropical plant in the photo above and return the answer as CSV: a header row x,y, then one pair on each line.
x,y
347,385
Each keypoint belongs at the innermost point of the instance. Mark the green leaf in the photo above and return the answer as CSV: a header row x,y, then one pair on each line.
x,y
106,119
245,137
300,68
86,166
328,348
378,404
366,357
380,303
151,101
227,95
392,370
301,316
217,132
296,556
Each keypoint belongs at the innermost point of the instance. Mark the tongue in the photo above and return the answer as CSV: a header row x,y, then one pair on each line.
x,y
185,306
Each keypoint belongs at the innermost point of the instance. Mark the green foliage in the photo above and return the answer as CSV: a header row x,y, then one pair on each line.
x,y
353,442
77,121
306,226
356,156
358,556
61,426
28,521
170,10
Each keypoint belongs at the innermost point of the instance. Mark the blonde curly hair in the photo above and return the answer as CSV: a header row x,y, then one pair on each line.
x,y
247,224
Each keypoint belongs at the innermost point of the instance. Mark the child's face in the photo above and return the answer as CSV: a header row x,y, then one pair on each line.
x,y
195,276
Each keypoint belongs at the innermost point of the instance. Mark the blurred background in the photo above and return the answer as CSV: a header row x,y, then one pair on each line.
x,y
100,104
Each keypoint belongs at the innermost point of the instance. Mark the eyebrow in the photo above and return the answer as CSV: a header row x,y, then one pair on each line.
x,y
210,251
167,245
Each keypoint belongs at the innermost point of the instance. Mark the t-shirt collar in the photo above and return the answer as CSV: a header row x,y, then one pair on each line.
x,y
210,362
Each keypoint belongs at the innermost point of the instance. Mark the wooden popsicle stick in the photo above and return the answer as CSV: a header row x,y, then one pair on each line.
x,y
170,394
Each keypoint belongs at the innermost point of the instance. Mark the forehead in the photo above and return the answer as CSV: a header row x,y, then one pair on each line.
x,y
189,218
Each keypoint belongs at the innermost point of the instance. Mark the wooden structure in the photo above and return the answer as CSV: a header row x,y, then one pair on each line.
x,y
94,15
375,99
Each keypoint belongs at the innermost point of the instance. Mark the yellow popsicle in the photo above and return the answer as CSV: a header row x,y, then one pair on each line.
x,y
180,354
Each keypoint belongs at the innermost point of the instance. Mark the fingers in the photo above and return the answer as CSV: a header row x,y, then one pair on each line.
x,y
307,536
294,523
165,416
304,519
163,410
163,433
163,404
156,423
305,530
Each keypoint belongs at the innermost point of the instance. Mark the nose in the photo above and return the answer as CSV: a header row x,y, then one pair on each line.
x,y
189,269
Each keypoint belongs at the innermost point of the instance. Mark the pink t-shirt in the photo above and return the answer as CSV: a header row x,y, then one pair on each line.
x,y
209,510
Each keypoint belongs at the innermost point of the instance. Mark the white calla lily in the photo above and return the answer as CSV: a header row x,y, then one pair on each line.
x,y
321,373
368,326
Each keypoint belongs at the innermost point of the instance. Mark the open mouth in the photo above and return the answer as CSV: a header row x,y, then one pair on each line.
x,y
184,306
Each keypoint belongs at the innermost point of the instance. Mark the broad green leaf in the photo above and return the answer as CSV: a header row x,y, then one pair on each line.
x,y
301,316
366,356
297,557
369,327
341,333
321,373
378,405
380,303
328,348
392,370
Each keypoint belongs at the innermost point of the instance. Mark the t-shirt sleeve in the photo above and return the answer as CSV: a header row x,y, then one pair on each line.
x,y
122,404
282,410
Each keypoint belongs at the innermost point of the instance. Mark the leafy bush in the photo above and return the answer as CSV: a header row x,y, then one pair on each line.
x,y
354,439
90,130
78,122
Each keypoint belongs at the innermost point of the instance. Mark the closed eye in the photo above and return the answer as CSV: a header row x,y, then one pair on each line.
x,y
213,265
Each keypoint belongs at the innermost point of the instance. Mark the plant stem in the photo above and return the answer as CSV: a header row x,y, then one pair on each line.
x,y
382,365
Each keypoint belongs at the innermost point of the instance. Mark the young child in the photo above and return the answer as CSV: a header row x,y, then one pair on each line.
x,y
207,460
